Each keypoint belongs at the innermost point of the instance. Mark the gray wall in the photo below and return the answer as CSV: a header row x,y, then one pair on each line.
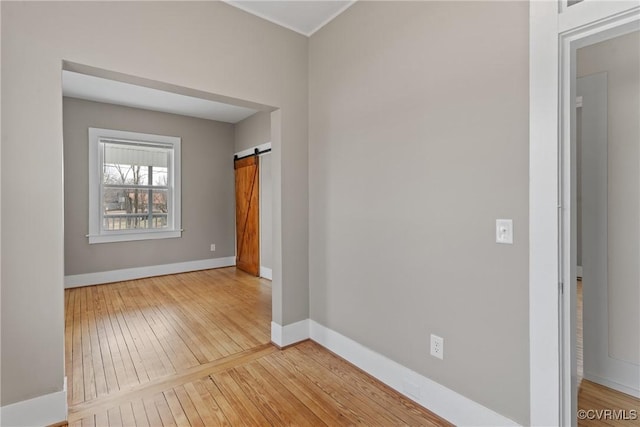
x,y
207,46
208,199
253,130
620,58
266,212
418,142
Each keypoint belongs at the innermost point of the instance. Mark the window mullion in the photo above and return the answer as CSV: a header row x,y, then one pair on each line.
x,y
150,197
136,187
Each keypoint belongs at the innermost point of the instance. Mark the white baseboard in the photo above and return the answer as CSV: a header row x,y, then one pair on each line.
x,y
444,402
631,391
579,271
39,411
78,280
283,336
266,273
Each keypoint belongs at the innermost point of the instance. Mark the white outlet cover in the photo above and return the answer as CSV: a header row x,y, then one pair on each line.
x,y
437,346
504,231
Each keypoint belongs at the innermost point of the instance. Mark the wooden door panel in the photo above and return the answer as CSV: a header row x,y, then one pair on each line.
x,y
247,215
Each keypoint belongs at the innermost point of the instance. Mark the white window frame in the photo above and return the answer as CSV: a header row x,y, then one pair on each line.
x,y
174,220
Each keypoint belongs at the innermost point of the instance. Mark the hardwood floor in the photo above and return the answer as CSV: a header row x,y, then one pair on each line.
x,y
193,350
129,333
596,398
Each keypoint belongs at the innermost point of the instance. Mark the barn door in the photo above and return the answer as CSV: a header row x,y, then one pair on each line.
x,y
247,215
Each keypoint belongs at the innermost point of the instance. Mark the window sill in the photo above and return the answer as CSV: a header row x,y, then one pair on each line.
x,y
127,237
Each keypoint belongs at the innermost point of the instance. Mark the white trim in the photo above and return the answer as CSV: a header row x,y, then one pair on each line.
x,y
96,234
283,336
579,271
614,385
445,402
331,18
87,279
550,357
589,12
544,325
240,6
266,273
249,151
39,411
276,334
132,235
592,30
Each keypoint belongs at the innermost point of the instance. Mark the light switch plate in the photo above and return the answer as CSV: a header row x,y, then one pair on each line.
x,y
504,231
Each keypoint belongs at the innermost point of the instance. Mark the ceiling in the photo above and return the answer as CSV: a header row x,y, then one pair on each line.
x,y
303,16
83,86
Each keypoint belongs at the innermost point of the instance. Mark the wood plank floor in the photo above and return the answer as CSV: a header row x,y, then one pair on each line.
x,y
193,350
595,397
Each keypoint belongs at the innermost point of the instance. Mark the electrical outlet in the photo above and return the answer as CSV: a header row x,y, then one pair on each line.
x,y
213,247
504,231
437,346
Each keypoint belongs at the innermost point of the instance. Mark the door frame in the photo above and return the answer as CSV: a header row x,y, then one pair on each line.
x,y
556,30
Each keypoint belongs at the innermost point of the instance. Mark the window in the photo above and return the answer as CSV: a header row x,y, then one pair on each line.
x,y
134,186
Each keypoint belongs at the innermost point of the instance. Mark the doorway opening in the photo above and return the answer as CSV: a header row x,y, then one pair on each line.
x,y
253,183
600,187
607,173
557,30
178,303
